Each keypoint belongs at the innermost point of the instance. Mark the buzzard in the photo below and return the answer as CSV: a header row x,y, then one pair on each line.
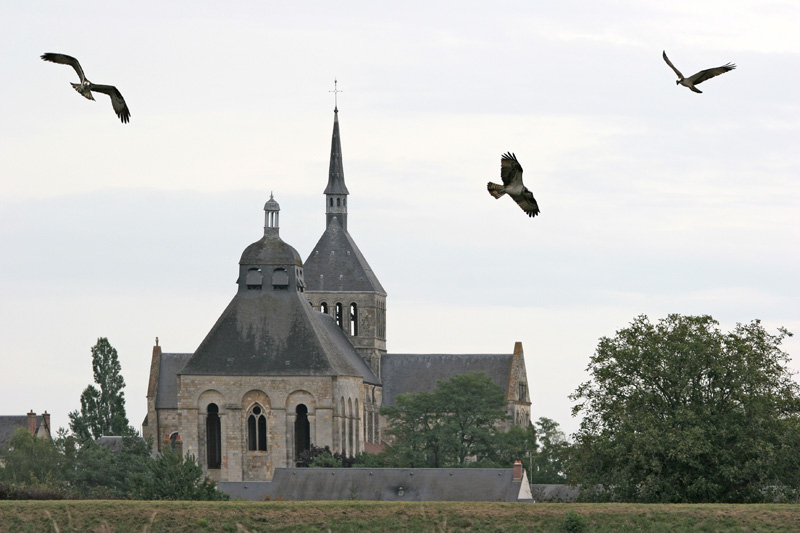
x,y
511,174
700,77
85,87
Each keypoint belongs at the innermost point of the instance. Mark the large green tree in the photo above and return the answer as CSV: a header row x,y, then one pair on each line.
x,y
103,407
175,477
679,411
31,460
100,473
455,421
548,460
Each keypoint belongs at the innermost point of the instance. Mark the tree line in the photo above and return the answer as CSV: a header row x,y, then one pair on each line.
x,y
75,465
460,424
674,411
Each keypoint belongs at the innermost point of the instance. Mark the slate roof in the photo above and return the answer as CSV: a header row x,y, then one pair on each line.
x,y
112,443
336,170
555,493
414,373
337,265
167,393
384,484
270,250
10,423
276,333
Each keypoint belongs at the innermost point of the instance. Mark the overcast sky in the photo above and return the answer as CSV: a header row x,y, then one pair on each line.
x,y
653,199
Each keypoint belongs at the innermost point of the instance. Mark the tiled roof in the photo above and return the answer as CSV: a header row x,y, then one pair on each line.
x,y
274,333
337,265
9,424
414,373
386,484
171,364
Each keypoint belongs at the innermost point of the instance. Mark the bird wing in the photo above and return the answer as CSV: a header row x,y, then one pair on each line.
x,y
678,72
707,74
527,202
510,169
65,60
117,101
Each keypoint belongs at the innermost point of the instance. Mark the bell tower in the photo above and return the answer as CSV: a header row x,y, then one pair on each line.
x,y
339,280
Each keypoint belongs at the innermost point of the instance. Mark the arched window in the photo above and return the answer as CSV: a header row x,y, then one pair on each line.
x,y
331,202
302,431
353,319
257,429
357,430
338,202
339,317
213,437
344,436
175,443
323,308
343,416
350,427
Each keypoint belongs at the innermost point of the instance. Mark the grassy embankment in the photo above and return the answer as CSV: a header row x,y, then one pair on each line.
x,y
68,516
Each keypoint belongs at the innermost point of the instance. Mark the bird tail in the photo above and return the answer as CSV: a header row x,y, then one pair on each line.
x,y
83,92
495,189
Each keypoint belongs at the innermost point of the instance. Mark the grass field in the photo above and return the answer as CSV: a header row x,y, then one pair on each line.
x,y
105,516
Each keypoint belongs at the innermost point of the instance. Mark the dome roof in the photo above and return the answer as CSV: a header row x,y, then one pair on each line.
x,y
271,204
270,250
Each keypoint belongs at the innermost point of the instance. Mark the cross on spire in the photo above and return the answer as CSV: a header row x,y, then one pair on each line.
x,y
335,92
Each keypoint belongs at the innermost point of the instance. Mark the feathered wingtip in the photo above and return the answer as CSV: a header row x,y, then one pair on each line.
x,y
495,189
509,156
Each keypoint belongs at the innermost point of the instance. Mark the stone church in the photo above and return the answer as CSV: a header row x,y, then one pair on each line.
x,y
299,358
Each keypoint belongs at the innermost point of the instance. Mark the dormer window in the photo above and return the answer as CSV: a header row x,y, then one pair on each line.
x,y
254,279
280,279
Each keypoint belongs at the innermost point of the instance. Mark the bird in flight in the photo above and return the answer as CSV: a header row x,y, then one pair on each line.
x,y
511,174
85,87
700,77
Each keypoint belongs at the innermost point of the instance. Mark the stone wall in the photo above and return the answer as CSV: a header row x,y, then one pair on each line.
x,y
370,340
334,418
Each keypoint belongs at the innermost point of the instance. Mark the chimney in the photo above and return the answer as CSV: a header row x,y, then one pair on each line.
x,y
517,471
46,424
32,423
155,369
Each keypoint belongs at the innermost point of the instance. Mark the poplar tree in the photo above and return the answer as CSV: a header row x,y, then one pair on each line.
x,y
103,407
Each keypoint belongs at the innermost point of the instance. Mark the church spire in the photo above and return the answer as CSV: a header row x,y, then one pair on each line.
x,y
336,192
